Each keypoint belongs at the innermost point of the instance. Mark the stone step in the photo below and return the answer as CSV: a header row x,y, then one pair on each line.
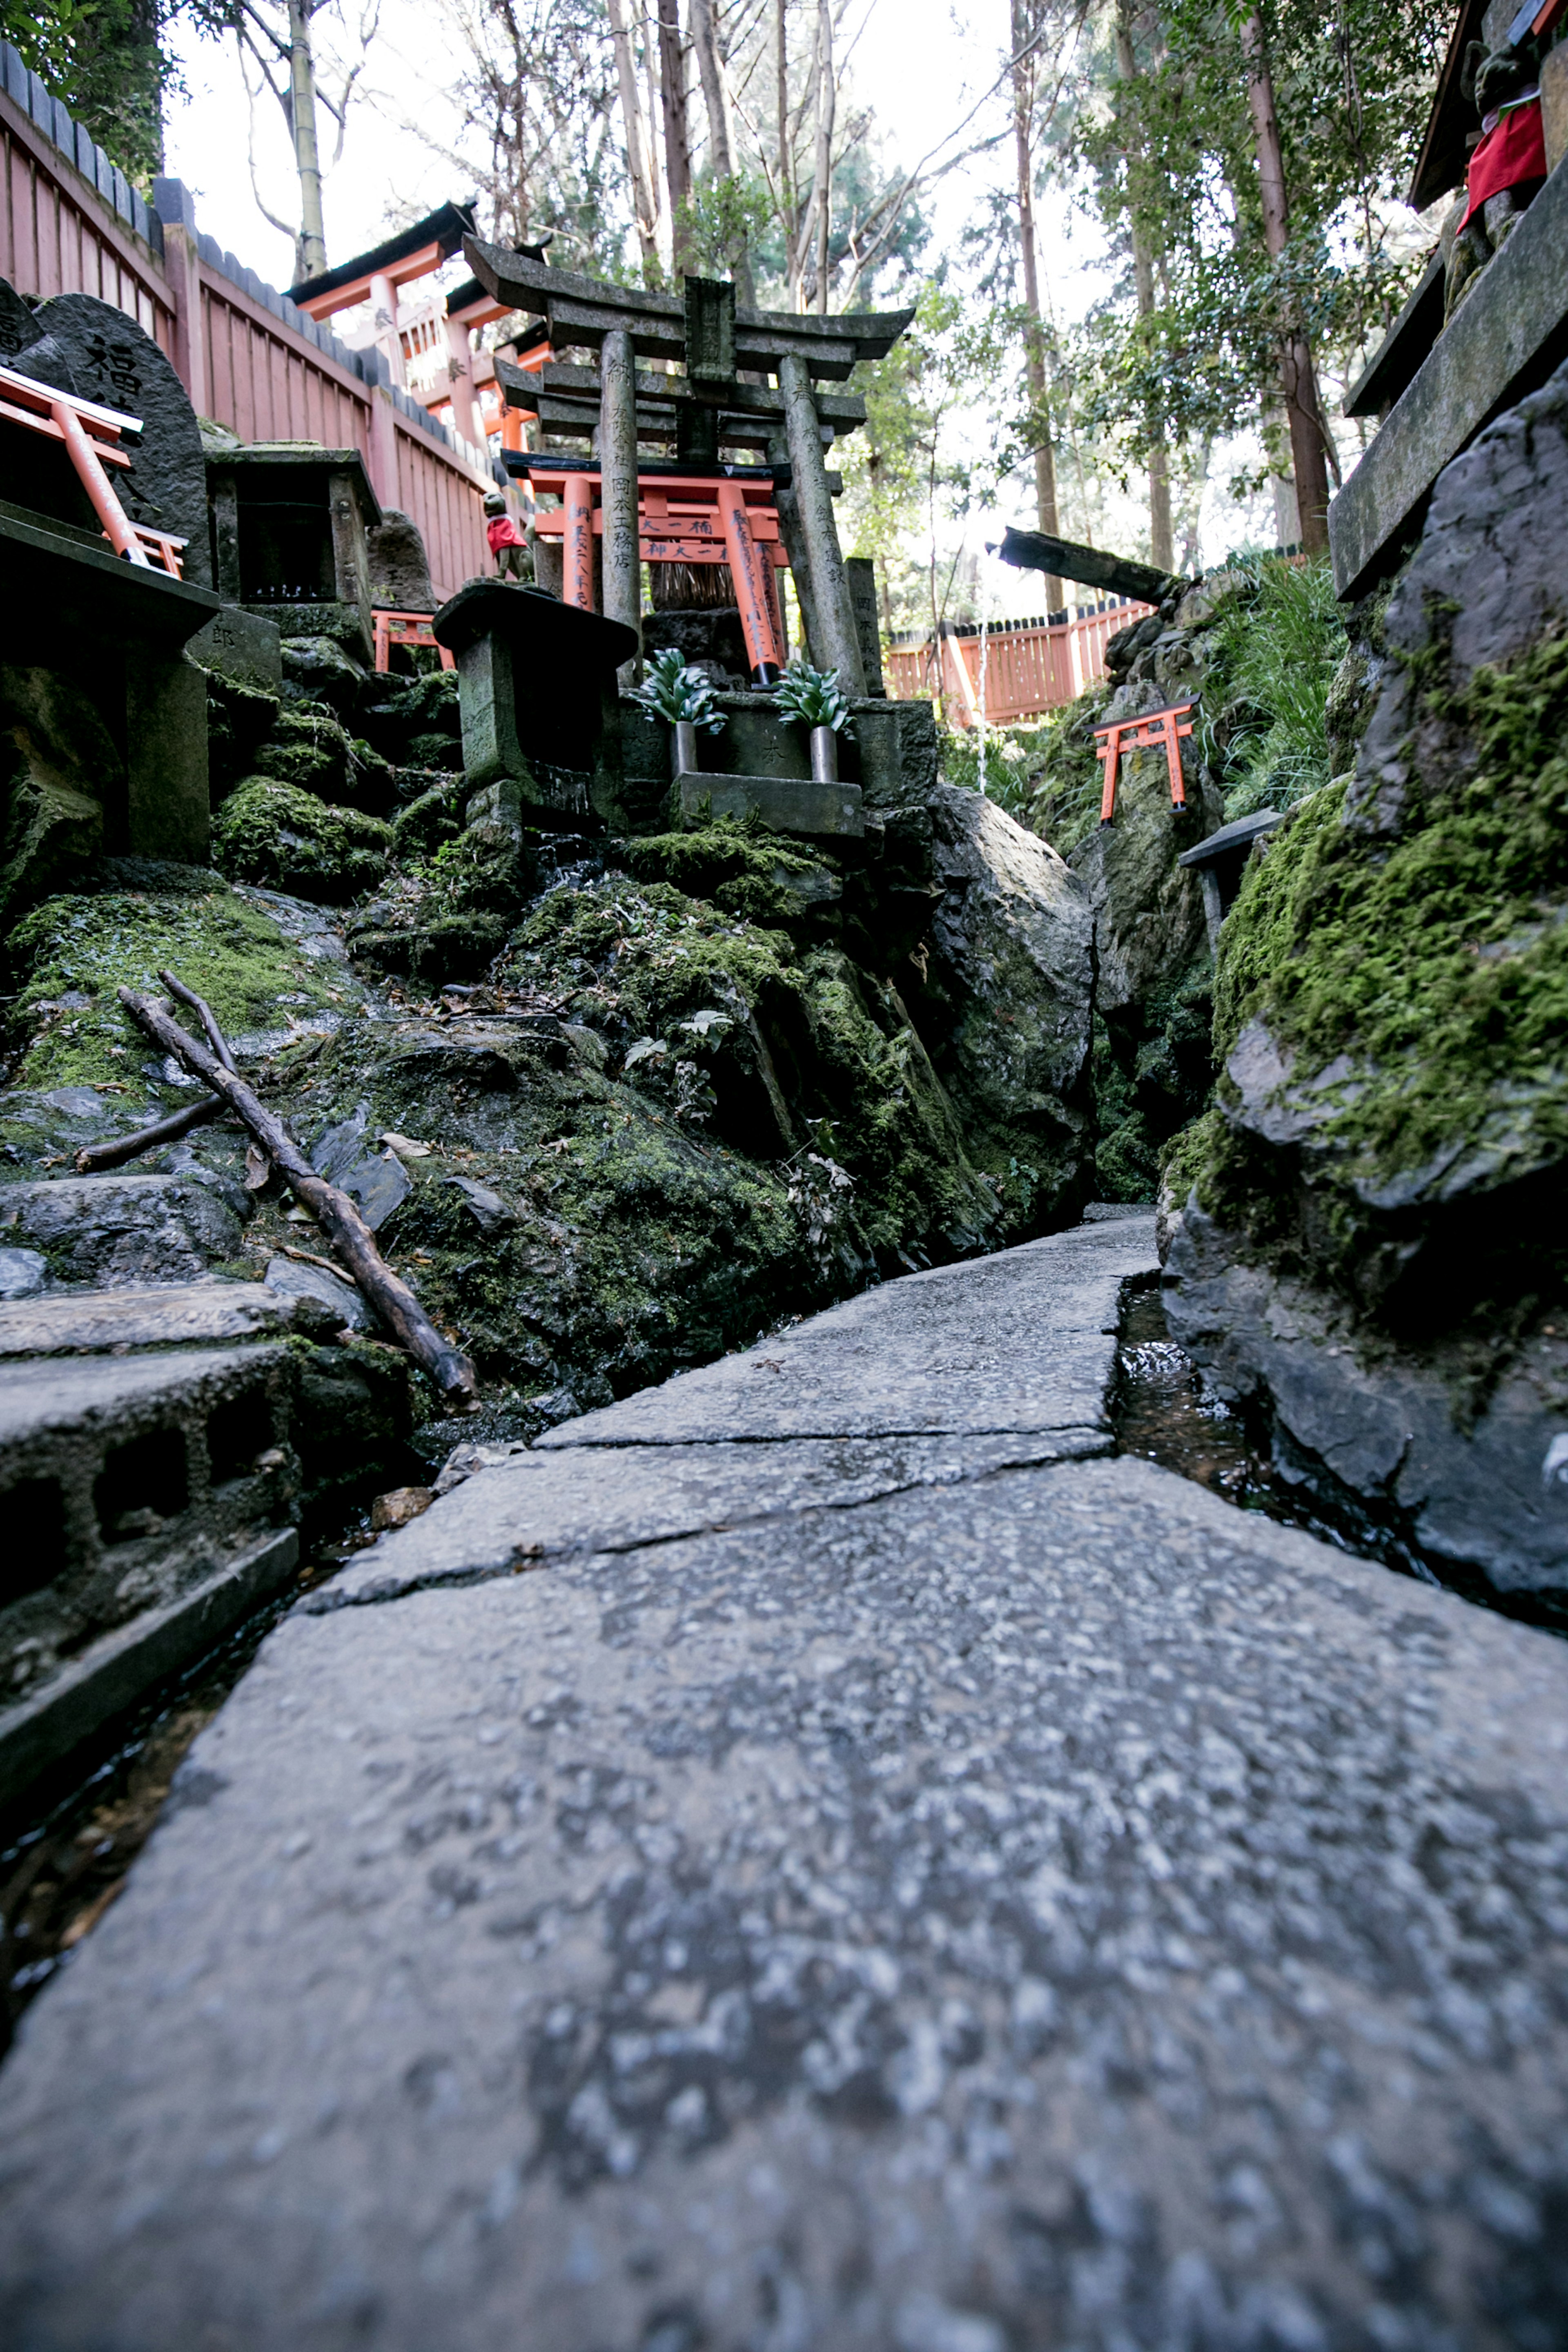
x,y
117,1230
176,1314
937,1894
127,1487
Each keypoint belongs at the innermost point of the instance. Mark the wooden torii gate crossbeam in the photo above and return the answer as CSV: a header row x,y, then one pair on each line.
x,y
703,328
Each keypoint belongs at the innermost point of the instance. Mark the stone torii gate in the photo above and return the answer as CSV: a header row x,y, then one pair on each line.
x,y
702,330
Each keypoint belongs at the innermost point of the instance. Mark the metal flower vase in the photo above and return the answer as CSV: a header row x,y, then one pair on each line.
x,y
685,748
824,756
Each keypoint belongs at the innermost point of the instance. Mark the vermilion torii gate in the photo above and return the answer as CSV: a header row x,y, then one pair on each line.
x,y
706,408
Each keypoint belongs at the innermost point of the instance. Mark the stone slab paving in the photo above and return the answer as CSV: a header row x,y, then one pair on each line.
x,y
1024,1340
1012,1907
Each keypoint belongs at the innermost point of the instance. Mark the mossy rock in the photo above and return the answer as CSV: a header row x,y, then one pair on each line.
x,y
51,832
286,839
425,824
432,750
68,956
395,711
743,872
814,1046
311,751
317,669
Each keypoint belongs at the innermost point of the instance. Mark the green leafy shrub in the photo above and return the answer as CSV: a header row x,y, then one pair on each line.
x,y
1276,644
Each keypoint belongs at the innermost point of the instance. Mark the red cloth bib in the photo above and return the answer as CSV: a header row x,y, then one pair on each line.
x,y
1512,152
504,532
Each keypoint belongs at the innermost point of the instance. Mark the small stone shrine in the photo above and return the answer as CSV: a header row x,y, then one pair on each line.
x,y
536,685
290,537
1488,321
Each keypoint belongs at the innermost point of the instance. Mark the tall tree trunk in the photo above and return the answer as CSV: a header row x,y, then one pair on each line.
x,y
720,131
1034,324
827,94
1297,381
790,219
677,135
1160,535
644,194
310,248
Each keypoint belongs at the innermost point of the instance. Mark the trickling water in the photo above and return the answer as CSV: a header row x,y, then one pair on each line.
x,y
1160,1413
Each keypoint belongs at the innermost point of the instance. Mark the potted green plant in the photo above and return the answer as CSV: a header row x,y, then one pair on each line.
x,y
683,697
813,697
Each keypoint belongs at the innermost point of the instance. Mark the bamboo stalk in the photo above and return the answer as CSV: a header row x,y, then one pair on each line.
x,y
350,1237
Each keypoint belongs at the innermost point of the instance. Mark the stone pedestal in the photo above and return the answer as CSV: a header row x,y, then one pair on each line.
x,y
537,693
108,715
784,804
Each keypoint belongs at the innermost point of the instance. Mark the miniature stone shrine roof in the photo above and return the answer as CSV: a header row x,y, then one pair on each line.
x,y
259,456
1445,150
1091,567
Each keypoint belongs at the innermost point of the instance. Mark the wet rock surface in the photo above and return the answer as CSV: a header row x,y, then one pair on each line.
x,y
858,1900
1365,1236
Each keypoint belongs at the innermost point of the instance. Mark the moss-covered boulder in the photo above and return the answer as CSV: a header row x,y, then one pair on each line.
x,y
286,839
1369,1231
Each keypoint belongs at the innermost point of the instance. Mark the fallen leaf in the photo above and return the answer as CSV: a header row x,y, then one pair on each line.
x,y
406,1147
257,1168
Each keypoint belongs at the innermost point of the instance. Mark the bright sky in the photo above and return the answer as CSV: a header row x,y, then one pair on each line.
x,y
922,62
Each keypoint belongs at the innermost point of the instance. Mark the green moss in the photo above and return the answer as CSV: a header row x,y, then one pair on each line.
x,y
310,750
85,948
840,1055
741,872
285,839
1436,960
1066,776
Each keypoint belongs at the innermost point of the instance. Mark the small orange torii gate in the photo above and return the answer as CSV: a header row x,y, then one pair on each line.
x,y
1148,731
720,515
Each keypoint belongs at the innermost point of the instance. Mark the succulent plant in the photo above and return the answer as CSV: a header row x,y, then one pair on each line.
x,y
812,696
679,694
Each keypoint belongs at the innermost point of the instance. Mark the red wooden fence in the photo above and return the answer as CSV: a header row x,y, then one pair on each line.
x,y
1028,670
70,223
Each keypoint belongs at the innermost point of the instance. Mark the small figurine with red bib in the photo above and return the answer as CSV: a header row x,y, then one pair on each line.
x,y
509,545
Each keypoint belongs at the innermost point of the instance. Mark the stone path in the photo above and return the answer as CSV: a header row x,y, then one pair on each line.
x,y
821,1855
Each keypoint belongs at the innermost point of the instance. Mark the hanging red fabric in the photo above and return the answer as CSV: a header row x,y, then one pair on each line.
x,y
1512,153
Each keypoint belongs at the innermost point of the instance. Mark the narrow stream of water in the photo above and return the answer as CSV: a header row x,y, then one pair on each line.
x,y
1159,1412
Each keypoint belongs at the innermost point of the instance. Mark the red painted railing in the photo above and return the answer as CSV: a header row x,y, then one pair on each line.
x,y
1028,671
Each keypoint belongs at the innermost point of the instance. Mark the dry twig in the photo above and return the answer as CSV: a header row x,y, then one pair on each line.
x,y
350,1237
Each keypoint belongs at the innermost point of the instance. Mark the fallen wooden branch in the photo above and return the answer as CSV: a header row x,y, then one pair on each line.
x,y
95,1157
350,1237
205,1015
